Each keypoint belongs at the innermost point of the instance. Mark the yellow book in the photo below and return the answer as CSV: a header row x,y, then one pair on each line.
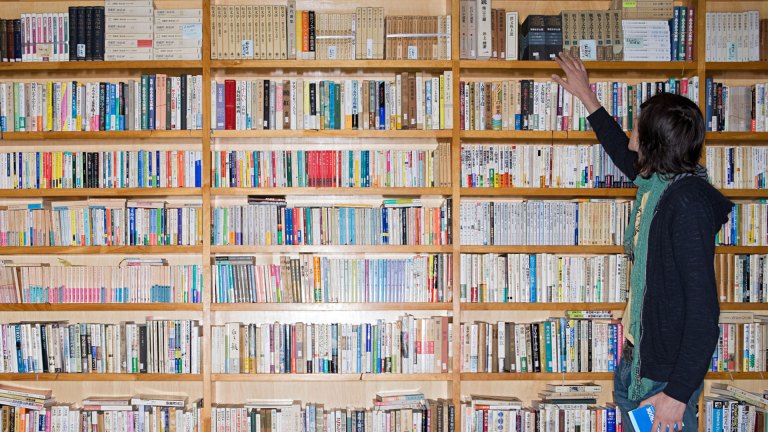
x,y
442,101
49,106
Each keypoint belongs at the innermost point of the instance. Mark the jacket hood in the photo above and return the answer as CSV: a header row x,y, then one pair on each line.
x,y
721,206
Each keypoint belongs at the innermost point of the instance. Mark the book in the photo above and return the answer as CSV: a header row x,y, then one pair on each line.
x,y
642,417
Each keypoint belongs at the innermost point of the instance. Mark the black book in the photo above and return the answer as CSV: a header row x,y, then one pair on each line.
x,y
102,106
17,39
525,91
553,36
311,28
90,39
81,49
183,96
265,103
98,33
143,348
312,98
73,13
535,354
9,52
451,418
123,91
533,38
3,43
44,346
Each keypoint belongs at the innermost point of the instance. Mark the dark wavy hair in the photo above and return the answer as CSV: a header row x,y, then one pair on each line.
x,y
671,135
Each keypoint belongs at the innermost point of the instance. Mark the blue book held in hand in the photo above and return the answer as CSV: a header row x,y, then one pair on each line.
x,y
642,418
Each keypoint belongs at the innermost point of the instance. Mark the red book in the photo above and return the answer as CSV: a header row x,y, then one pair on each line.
x,y
229,104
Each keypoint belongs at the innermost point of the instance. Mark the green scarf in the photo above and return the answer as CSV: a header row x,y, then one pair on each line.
x,y
654,187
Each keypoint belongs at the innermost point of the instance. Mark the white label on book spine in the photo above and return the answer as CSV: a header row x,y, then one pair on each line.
x,y
413,52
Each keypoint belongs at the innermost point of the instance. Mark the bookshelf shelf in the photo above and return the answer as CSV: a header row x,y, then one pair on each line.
x,y
737,375
322,191
331,249
107,377
100,135
328,377
331,133
99,307
742,249
95,192
550,192
84,66
346,65
541,306
536,376
735,138
98,250
330,307
744,306
512,65
505,135
759,66
544,249
745,193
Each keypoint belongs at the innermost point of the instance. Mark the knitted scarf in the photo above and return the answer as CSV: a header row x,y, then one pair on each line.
x,y
654,187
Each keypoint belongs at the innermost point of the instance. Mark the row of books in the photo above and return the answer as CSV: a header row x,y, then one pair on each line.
x,y
407,345
138,281
747,225
36,409
397,166
539,166
390,222
157,346
42,36
406,101
544,105
100,222
105,169
742,278
735,36
392,411
737,167
554,345
154,102
329,279
734,108
524,222
742,343
543,278
730,408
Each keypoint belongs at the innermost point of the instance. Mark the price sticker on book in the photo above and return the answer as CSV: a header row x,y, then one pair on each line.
x,y
629,3
588,49
413,52
81,50
332,52
246,48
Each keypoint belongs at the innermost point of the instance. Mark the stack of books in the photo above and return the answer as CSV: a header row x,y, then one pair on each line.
x,y
130,26
644,9
25,398
571,396
646,40
733,408
178,34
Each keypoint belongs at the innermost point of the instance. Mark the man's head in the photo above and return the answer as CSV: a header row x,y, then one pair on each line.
x,y
669,135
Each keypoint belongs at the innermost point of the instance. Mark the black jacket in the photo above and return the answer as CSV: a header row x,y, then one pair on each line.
x,y
680,309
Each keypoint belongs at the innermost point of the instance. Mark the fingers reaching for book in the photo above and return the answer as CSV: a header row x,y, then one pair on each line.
x,y
576,81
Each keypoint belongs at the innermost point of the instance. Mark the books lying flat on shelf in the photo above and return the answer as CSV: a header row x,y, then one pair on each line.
x,y
114,169
405,101
731,108
644,9
329,279
554,345
178,34
133,283
407,345
396,166
133,23
543,278
523,222
100,222
102,106
746,225
535,105
742,278
274,222
158,346
539,166
24,398
724,410
646,40
429,415
739,394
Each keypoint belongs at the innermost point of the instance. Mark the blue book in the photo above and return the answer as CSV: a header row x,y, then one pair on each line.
x,y
709,84
610,420
198,174
219,106
532,272
642,418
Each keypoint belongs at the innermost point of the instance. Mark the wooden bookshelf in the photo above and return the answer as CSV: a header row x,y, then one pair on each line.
x,y
208,384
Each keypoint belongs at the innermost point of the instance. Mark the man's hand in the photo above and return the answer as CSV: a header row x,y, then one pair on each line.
x,y
668,412
577,81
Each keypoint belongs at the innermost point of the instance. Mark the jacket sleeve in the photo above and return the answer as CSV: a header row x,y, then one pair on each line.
x,y
693,232
614,141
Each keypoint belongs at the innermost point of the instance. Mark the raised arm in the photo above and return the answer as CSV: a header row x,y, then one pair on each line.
x,y
609,133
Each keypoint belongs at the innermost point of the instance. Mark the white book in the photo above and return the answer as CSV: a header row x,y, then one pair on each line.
x,y
129,28
178,20
483,29
128,36
135,11
512,35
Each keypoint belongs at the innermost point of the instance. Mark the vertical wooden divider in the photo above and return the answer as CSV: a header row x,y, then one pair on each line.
x,y
455,382
206,206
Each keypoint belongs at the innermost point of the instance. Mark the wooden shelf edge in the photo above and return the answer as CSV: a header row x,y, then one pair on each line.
x,y
536,376
83,66
218,191
330,307
142,134
99,307
329,377
541,306
543,249
548,65
329,249
549,192
736,136
99,377
742,249
87,192
332,133
332,64
94,250
736,66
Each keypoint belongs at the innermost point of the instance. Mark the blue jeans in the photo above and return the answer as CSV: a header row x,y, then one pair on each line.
x,y
621,380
